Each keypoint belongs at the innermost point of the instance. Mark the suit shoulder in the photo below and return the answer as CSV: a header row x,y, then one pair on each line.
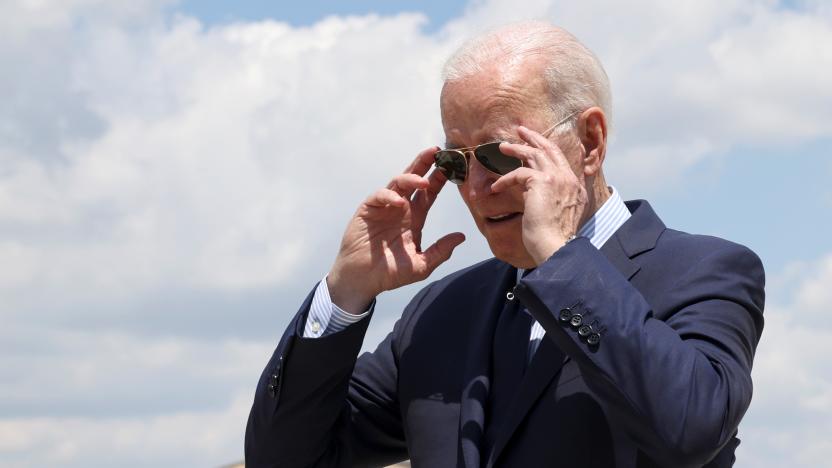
x,y
457,283
463,279
693,253
672,244
701,245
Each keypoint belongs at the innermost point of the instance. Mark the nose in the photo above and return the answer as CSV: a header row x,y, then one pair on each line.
x,y
479,179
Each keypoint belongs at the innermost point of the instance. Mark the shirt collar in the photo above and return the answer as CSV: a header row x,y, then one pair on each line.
x,y
603,224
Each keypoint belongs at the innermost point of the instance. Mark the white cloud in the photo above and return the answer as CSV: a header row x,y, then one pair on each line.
x,y
146,159
112,399
693,79
769,76
24,18
220,146
815,294
792,403
178,438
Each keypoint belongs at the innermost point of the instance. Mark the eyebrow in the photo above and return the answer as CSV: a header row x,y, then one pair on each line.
x,y
546,133
453,146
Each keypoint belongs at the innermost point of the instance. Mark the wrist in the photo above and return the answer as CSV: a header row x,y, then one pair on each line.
x,y
349,298
551,248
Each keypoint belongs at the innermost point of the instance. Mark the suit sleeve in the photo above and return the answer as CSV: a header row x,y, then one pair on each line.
x,y
678,384
315,405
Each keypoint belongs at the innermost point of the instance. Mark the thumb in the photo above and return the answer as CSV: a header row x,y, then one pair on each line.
x,y
441,250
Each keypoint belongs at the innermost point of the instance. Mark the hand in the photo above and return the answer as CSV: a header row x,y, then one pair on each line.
x,y
381,248
554,196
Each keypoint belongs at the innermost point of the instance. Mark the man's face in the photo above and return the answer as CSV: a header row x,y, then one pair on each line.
x,y
486,107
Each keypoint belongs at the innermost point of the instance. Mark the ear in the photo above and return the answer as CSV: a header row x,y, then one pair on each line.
x,y
592,130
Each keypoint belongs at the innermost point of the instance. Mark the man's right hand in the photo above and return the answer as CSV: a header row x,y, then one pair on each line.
x,y
381,248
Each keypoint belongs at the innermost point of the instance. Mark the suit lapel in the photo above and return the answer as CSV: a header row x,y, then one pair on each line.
x,y
615,253
485,304
637,235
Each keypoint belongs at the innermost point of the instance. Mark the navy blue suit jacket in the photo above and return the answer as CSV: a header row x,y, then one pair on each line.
x,y
678,315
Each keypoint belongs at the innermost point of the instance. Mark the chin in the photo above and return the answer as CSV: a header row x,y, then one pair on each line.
x,y
506,242
513,253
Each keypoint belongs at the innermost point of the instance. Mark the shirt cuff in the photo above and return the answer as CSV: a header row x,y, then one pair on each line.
x,y
326,318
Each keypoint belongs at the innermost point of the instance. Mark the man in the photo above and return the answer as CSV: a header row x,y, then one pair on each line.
x,y
596,337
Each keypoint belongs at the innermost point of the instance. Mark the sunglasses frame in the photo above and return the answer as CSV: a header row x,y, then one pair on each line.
x,y
484,161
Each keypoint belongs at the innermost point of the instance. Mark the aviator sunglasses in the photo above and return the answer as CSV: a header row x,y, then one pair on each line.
x,y
453,163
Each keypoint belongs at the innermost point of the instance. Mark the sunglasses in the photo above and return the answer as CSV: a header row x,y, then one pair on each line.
x,y
453,163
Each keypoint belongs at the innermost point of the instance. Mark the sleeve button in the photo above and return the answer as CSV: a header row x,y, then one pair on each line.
x,y
584,331
576,320
273,385
565,315
593,339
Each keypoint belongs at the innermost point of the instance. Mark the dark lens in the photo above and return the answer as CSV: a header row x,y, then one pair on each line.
x,y
489,155
452,164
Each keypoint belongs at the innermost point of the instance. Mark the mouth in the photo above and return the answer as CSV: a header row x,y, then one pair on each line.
x,y
502,218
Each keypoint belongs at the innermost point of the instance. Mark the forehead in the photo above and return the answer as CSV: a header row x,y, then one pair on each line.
x,y
492,103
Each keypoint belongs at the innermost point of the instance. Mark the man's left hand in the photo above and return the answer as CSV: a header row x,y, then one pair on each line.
x,y
554,195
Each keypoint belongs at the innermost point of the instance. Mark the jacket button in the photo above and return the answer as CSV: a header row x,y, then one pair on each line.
x,y
576,320
273,385
274,379
565,315
593,339
584,331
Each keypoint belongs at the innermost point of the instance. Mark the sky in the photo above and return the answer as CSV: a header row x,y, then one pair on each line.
x,y
175,178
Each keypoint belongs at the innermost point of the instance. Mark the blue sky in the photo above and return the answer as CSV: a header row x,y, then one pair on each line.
x,y
159,226
751,189
307,13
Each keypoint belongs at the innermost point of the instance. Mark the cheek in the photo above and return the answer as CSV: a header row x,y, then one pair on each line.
x,y
467,203
573,151
463,193
516,193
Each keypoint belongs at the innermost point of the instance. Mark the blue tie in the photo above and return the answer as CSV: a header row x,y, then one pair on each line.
x,y
508,363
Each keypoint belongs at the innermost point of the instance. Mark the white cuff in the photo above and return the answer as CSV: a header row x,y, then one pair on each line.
x,y
325,317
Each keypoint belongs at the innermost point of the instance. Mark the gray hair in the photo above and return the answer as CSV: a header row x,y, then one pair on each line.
x,y
575,76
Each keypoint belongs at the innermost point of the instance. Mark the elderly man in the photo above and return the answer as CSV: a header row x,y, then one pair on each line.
x,y
595,337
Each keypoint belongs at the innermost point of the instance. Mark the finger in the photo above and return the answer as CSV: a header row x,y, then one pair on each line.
x,y
385,197
533,138
531,156
518,177
436,181
441,251
423,162
406,184
537,140
423,199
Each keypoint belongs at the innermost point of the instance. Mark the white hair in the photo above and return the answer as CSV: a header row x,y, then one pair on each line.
x,y
575,77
